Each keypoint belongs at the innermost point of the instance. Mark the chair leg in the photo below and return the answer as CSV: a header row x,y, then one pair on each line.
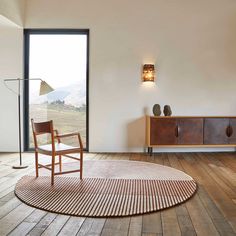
x,y
60,164
53,170
81,164
36,164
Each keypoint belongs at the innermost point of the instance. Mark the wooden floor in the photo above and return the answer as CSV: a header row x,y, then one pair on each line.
x,y
212,211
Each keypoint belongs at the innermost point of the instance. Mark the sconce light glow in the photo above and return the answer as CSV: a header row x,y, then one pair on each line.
x,y
148,73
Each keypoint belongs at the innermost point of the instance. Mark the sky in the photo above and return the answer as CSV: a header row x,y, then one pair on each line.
x,y
60,60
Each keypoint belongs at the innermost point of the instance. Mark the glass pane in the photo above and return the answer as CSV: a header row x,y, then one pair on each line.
x,y
60,60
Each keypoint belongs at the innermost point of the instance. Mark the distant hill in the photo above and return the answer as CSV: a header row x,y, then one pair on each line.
x,y
73,95
57,95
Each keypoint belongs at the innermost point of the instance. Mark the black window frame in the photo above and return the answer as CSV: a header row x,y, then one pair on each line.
x,y
27,33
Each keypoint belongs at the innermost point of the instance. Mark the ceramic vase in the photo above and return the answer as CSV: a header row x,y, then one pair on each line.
x,y
156,110
167,110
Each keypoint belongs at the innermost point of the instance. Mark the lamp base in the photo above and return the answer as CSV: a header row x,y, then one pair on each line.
x,y
19,167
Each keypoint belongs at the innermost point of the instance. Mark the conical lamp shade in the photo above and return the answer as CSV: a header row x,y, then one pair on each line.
x,y
45,88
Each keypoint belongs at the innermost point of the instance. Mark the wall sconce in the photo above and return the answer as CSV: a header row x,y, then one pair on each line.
x,y
148,72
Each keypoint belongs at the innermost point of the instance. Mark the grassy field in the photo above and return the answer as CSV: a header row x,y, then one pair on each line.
x,y
66,119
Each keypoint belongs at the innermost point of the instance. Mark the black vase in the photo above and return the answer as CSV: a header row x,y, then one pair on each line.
x,y
167,110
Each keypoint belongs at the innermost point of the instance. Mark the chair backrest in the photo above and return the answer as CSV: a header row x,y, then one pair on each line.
x,y
42,128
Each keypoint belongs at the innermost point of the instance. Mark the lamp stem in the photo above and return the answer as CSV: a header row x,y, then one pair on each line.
x,y
19,126
19,115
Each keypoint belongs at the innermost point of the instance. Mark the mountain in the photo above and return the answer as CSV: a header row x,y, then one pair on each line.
x,y
73,95
57,95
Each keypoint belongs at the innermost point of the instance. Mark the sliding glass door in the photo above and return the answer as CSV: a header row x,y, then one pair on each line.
x,y
59,57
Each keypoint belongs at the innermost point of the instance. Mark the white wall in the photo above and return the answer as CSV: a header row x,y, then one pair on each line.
x,y
192,43
11,48
11,66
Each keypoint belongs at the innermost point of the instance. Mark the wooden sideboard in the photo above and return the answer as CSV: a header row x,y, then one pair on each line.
x,y
190,131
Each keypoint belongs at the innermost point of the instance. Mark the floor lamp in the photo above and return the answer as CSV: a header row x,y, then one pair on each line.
x,y
44,89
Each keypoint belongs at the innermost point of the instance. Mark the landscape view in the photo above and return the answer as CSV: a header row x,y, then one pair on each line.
x,y
66,106
61,61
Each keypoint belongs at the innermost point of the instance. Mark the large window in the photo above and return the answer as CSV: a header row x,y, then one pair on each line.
x,y
59,57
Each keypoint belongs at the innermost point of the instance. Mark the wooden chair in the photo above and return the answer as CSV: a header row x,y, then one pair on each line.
x,y
55,148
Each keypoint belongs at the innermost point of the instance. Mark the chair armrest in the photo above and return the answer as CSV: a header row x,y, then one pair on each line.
x,y
66,135
59,136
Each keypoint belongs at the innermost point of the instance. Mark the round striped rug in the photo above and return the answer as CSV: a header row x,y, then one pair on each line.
x,y
109,188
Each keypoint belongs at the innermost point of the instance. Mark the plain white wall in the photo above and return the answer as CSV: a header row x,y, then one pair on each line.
x,y
11,48
11,66
192,44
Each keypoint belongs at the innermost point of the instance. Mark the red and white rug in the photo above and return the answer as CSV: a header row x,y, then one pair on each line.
x,y
108,189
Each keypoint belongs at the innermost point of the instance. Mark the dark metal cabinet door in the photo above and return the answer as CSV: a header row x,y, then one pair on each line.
x,y
190,131
216,131
232,131
163,131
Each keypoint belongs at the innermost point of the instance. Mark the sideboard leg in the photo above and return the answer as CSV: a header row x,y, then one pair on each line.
x,y
150,151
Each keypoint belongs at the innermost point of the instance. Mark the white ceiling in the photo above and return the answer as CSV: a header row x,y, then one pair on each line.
x,y
4,22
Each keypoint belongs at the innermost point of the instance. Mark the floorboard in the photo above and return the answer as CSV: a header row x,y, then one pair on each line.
x,y
211,211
